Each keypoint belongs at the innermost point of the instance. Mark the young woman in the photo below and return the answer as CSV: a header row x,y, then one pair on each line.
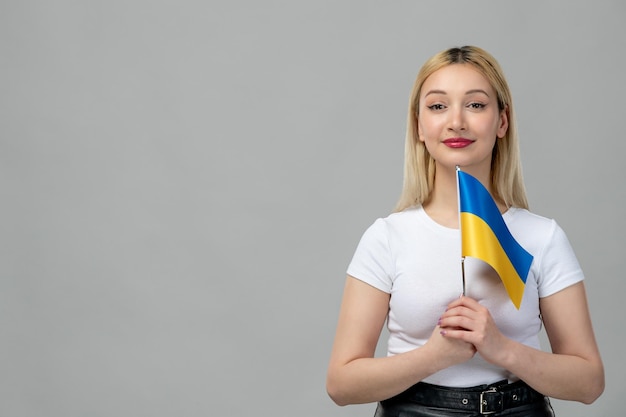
x,y
450,354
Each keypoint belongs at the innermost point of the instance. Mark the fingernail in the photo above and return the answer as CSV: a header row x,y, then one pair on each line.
x,y
439,322
443,332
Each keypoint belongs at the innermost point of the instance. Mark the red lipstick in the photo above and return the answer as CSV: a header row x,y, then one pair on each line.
x,y
458,142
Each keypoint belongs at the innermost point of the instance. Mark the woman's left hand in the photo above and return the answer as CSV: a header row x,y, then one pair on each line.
x,y
465,319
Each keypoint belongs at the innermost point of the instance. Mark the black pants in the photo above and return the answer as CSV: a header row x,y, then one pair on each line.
x,y
497,400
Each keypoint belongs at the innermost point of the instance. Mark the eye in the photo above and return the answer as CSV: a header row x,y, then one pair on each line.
x,y
476,105
435,107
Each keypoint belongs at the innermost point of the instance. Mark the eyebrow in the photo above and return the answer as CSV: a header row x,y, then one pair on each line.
x,y
474,91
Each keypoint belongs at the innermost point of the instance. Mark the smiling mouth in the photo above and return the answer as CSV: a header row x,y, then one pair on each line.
x,y
458,142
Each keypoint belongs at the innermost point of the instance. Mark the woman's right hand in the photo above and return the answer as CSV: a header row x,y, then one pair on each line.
x,y
355,375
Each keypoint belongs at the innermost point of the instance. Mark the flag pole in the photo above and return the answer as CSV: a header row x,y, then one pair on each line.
x,y
463,273
458,168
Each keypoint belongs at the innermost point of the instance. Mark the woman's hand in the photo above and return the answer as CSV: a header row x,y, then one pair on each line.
x,y
449,351
467,321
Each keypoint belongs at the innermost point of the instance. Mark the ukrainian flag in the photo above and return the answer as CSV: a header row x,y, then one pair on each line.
x,y
485,236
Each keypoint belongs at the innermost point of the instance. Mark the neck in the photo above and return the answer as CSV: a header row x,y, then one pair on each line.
x,y
443,206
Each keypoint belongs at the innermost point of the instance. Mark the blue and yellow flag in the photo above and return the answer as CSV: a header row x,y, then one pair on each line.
x,y
485,236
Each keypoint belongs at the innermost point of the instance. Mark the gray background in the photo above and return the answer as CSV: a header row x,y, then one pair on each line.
x,y
184,183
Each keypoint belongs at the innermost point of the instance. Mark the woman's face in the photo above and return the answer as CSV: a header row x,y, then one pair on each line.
x,y
459,119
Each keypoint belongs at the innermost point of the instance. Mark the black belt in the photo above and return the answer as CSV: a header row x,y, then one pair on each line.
x,y
484,399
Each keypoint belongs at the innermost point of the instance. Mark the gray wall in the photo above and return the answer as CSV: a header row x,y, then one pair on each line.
x,y
183,184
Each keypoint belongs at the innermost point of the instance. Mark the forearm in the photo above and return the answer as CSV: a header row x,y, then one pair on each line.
x,y
562,376
573,371
366,380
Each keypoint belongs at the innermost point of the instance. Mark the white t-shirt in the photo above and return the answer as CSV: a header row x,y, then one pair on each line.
x,y
418,262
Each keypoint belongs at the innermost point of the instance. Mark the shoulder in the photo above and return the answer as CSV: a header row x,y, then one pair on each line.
x,y
538,234
403,216
394,220
385,230
523,222
555,265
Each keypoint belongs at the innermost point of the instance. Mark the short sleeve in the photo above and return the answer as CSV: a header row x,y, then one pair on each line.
x,y
372,260
559,267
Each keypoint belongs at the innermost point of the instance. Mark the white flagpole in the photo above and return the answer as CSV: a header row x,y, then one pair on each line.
x,y
458,193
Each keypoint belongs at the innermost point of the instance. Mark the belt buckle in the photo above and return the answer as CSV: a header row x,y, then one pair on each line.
x,y
483,401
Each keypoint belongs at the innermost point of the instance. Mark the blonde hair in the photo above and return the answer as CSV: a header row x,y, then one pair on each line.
x,y
419,166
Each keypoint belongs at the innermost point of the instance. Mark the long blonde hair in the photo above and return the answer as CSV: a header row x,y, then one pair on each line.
x,y
419,166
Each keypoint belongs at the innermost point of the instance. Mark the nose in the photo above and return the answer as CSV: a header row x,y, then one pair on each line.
x,y
457,120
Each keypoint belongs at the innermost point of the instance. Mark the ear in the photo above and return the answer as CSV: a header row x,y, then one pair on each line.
x,y
419,129
504,123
